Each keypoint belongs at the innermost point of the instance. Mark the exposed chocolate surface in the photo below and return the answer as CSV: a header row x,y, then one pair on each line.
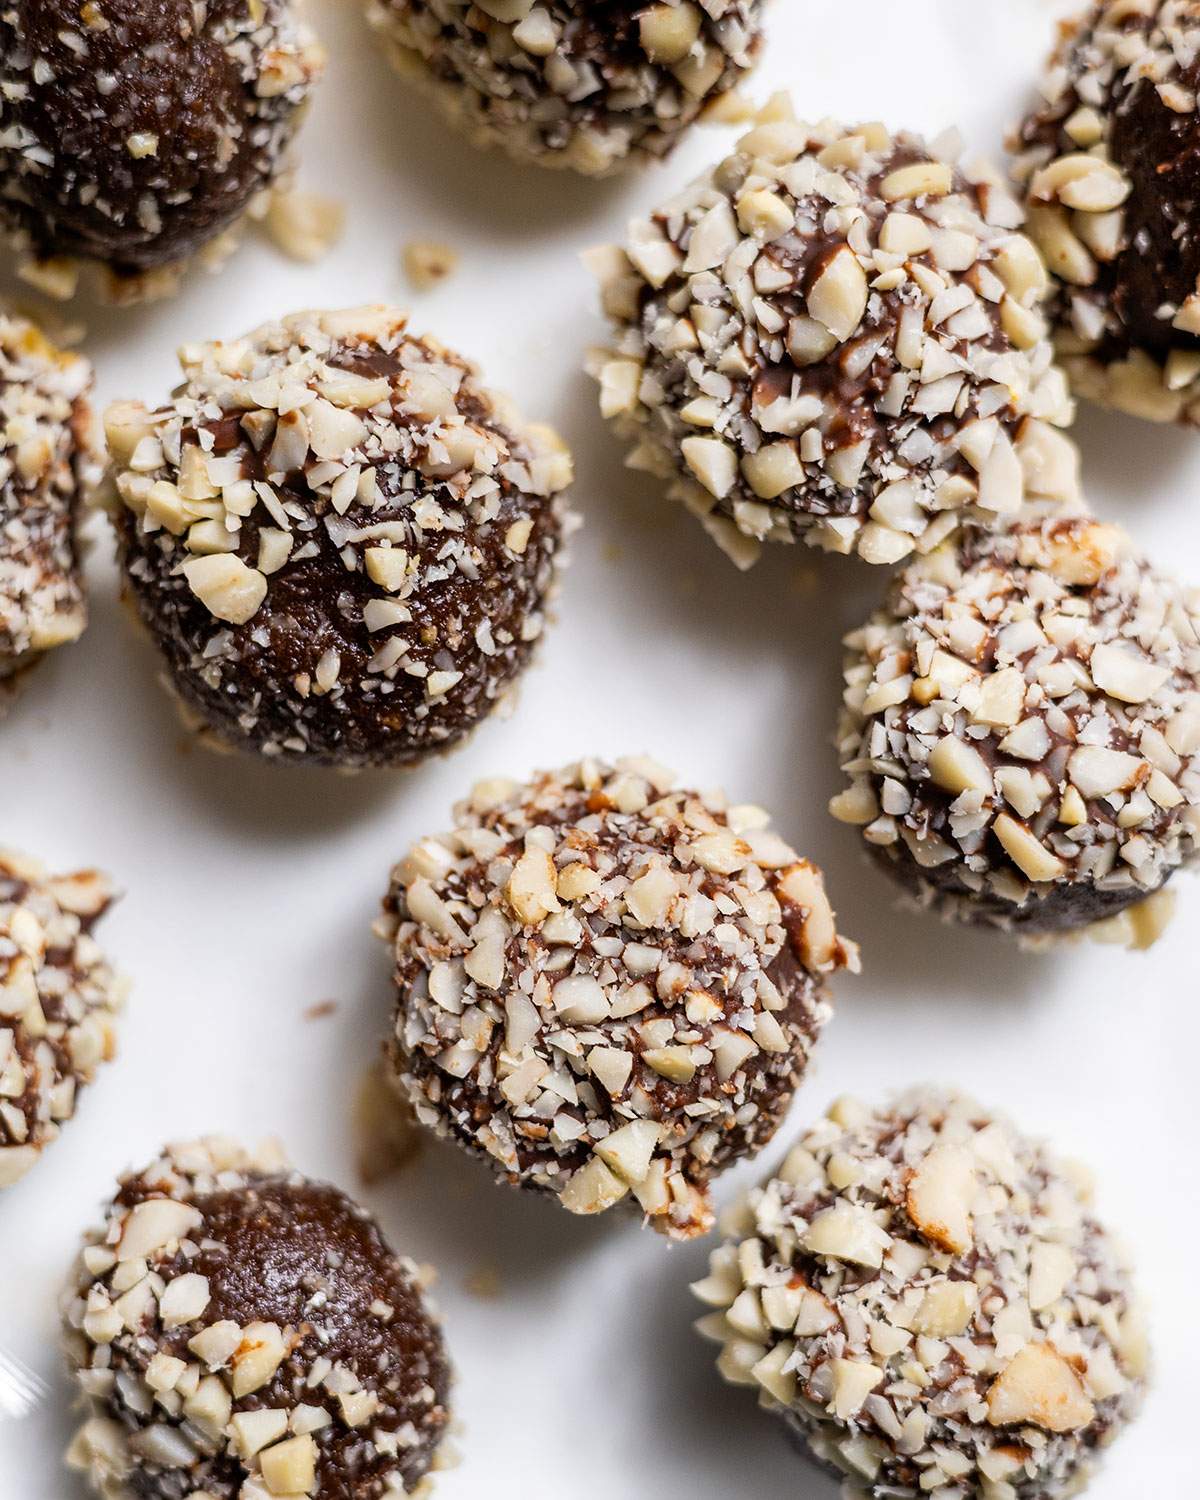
x,y
607,985
1022,731
47,459
1159,149
59,1000
927,1299
135,131
341,541
834,336
1110,162
571,83
289,1302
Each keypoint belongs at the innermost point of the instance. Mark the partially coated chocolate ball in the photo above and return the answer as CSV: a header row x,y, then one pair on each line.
x,y
1110,163
568,83
925,1296
135,133
47,462
608,987
835,337
342,543
1022,731
59,1001
241,1332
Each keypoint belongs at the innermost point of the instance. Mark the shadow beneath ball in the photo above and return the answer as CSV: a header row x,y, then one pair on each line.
x,y
1120,451
407,131
719,1433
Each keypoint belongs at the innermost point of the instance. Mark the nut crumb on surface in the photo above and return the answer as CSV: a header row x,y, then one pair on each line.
x,y
483,1282
305,225
427,263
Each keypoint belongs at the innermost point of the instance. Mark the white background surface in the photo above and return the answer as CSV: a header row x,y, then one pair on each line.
x,y
249,890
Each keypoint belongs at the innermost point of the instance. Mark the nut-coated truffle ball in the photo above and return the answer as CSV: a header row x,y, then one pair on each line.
x,y
572,83
1022,730
58,1003
835,337
1110,164
608,985
46,459
239,1332
924,1296
132,134
342,543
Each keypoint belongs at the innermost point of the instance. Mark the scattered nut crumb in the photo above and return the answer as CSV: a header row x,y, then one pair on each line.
x,y
427,263
305,226
320,1010
483,1282
807,579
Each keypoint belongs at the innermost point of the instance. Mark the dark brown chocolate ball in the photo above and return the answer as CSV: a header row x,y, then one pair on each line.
x,y
242,1332
1111,165
340,540
609,988
135,131
47,459
1022,731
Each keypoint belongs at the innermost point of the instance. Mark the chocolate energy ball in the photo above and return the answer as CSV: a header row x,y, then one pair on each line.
x,y
47,459
59,1001
572,83
1110,165
608,986
239,1332
1022,730
341,542
834,336
924,1296
133,134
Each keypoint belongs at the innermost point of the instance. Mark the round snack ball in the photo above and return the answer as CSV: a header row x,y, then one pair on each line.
x,y
59,1001
834,336
46,454
340,540
569,83
1110,163
1022,730
135,134
608,985
923,1295
239,1332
